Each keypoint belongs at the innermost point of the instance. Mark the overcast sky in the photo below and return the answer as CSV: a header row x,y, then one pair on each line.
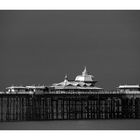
x,y
40,47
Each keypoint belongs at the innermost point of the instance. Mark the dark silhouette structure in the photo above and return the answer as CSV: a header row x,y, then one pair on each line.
x,y
70,105
69,100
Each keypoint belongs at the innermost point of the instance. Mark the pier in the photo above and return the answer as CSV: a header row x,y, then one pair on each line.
x,y
70,100
67,106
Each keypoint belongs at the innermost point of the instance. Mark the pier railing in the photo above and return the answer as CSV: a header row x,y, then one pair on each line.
x,y
72,92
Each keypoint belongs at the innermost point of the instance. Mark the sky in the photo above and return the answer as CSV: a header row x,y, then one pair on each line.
x,y
41,47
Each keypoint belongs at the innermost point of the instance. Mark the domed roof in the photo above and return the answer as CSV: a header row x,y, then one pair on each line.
x,y
84,81
85,77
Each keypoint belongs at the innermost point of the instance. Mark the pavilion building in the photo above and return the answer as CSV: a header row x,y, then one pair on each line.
x,y
70,100
83,82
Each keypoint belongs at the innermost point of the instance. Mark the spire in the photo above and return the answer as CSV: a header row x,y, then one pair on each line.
x,y
85,71
65,80
66,77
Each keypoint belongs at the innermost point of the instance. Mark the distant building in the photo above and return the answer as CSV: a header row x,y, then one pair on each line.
x,y
26,89
15,89
81,82
129,88
69,100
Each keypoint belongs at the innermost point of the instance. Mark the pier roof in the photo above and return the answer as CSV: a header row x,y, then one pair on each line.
x,y
84,81
16,87
129,86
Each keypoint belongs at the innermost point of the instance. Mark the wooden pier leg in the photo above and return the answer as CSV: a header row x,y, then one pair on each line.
x,y
7,109
75,113
69,109
46,109
52,109
62,108
81,109
57,108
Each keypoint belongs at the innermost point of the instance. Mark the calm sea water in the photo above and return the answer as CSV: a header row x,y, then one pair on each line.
x,y
73,125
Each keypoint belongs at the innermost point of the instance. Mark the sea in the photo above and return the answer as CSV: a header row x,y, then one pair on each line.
x,y
72,125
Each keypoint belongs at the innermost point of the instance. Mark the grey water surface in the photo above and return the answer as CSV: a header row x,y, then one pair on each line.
x,y
73,125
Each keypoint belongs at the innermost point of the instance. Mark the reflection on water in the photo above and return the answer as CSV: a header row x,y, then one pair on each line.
x,y
73,125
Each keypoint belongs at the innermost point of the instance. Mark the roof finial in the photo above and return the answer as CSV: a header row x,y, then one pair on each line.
x,y
66,77
65,80
85,71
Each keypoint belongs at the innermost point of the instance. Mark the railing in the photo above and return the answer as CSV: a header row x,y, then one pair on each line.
x,y
72,92
92,92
